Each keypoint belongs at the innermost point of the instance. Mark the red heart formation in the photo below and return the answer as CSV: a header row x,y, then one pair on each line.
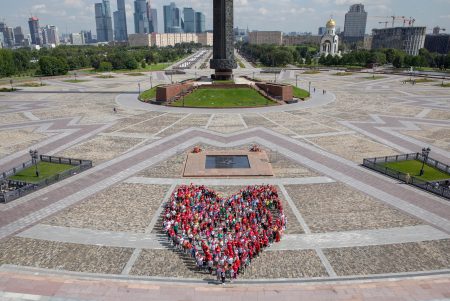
x,y
224,234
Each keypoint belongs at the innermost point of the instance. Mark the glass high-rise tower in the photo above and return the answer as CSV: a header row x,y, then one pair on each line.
x,y
120,22
355,23
103,21
173,22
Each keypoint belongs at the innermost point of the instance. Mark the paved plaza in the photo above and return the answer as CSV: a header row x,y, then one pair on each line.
x,y
352,234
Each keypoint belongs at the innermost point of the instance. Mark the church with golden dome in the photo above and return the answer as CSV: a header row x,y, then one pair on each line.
x,y
329,44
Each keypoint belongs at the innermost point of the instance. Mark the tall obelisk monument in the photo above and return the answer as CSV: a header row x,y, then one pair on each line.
x,y
223,61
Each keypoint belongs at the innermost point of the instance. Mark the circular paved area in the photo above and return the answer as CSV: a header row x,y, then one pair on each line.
x,y
343,221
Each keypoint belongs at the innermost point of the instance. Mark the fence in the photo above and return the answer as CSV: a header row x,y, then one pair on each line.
x,y
26,188
437,187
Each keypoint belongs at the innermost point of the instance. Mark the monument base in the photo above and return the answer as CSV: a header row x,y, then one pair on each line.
x,y
222,75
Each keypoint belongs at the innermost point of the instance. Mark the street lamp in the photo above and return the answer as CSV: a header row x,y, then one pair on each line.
x,y
139,86
11,82
34,157
425,154
310,88
296,80
151,81
75,76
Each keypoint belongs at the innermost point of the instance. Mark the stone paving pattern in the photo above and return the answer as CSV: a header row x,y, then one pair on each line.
x,y
63,256
325,207
16,140
100,148
397,258
122,208
285,264
336,207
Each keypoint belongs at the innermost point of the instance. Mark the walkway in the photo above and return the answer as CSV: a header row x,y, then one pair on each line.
x,y
289,242
32,285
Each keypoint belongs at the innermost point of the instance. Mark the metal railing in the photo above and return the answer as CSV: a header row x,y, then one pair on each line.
x,y
26,188
440,188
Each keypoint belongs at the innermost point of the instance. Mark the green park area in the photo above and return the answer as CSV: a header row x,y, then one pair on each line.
x,y
46,170
148,95
75,81
300,93
343,74
224,98
413,167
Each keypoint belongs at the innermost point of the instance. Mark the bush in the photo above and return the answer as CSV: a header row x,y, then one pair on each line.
x,y
105,67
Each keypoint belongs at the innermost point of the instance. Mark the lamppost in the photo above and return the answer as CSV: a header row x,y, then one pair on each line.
x,y
425,154
40,79
34,157
151,81
75,76
11,82
309,88
296,80
139,86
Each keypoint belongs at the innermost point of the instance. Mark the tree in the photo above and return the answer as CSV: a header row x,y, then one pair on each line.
x,y
397,62
51,66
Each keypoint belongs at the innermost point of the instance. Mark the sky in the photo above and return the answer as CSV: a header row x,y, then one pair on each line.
x,y
283,15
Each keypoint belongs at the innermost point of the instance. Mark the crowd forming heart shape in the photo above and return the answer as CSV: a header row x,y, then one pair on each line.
x,y
224,234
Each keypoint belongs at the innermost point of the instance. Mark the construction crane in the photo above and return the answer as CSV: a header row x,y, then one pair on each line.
x,y
385,23
410,21
394,18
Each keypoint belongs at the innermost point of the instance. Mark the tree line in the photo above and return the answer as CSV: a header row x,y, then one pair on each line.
x,y
59,60
280,56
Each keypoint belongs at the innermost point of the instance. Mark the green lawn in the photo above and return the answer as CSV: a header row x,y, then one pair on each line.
x,y
31,85
413,167
300,93
7,89
46,170
420,80
343,74
445,85
75,81
105,76
224,98
135,74
148,94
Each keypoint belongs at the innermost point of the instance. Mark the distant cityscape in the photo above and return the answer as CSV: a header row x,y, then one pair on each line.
x,y
188,25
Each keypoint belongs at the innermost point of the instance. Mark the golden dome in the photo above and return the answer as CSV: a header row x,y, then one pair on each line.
x,y
331,23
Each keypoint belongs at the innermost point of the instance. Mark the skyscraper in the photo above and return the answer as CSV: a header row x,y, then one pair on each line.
x,y
189,20
141,17
103,21
120,22
18,35
355,23
35,31
172,19
50,35
200,22
153,14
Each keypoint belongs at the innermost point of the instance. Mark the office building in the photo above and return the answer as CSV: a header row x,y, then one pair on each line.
x,y
293,40
77,39
35,31
153,13
355,23
141,17
8,35
189,20
407,39
120,22
2,40
438,43
200,21
173,22
265,37
19,37
322,31
50,35
103,21
87,36
170,39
